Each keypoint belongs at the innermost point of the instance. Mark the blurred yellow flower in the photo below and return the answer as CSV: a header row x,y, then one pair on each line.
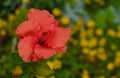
x,y
101,54
3,32
110,66
56,11
90,33
51,77
83,42
90,24
59,55
56,64
85,74
117,61
17,11
38,76
74,1
92,42
2,23
25,1
65,20
99,32
118,28
118,34
50,64
91,58
117,58
118,53
102,42
101,77
85,50
82,34
75,29
80,22
97,1
93,52
11,17
87,1
102,3
111,32
17,71
101,50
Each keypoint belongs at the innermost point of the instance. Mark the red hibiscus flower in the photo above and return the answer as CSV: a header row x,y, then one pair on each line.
x,y
41,36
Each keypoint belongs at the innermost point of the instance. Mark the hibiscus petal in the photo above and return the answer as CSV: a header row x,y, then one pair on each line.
x,y
35,58
45,19
60,38
62,49
25,47
44,52
57,23
27,27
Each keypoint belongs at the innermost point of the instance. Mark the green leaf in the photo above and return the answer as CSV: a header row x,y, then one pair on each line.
x,y
41,69
13,59
26,71
100,19
110,14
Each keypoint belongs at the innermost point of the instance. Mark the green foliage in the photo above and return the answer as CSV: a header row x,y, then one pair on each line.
x,y
41,69
86,60
100,19
48,4
8,6
18,19
110,16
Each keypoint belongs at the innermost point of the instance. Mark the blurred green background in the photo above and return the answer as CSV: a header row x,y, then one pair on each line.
x,y
93,50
